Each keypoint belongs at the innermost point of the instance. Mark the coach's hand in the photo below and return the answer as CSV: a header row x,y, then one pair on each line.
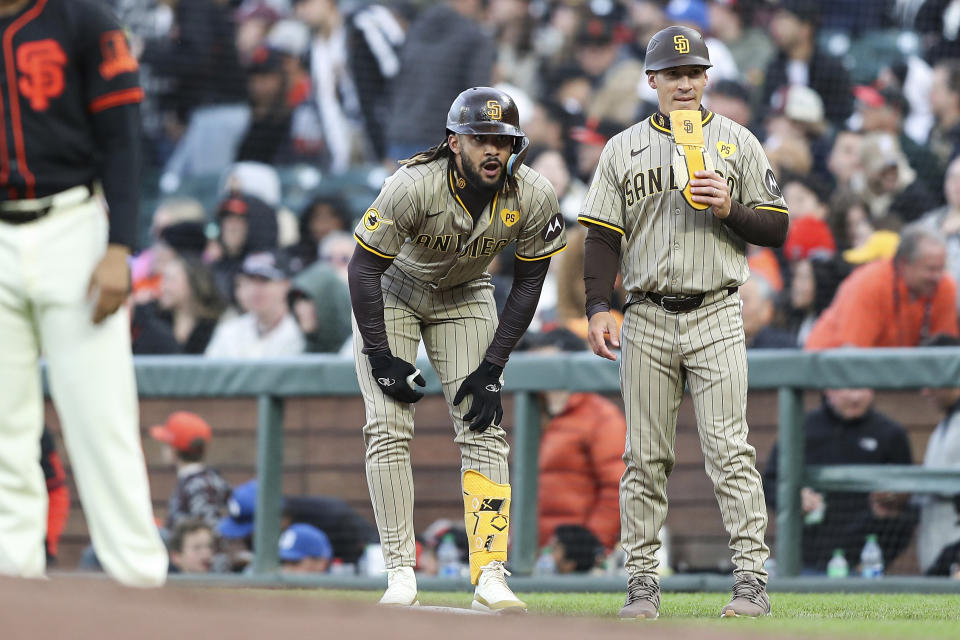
x,y
484,385
602,329
710,188
110,282
396,377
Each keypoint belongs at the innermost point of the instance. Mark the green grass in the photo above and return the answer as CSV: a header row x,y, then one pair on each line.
x,y
925,617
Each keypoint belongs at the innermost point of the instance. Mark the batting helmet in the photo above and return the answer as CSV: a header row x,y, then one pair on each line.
x,y
676,47
486,111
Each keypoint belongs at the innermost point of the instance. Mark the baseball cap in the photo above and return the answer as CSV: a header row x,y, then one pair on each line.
x,y
265,59
301,541
804,10
799,103
879,151
880,245
241,507
876,98
597,30
808,236
185,237
182,430
272,264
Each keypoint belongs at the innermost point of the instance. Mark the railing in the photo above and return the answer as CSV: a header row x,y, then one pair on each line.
x,y
272,381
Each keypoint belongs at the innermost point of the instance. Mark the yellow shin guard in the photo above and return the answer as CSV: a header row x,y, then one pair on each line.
x,y
691,153
486,513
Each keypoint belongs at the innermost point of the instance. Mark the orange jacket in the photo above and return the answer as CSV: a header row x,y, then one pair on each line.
x,y
581,461
872,308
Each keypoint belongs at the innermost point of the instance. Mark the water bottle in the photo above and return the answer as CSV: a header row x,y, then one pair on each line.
x,y
448,558
871,558
545,565
837,567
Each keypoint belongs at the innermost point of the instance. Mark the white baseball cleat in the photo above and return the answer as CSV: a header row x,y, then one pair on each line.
x,y
493,594
401,588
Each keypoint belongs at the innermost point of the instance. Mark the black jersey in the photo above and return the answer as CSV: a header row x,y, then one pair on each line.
x,y
64,62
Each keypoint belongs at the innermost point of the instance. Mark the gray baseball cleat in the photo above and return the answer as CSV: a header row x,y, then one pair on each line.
x,y
643,599
749,598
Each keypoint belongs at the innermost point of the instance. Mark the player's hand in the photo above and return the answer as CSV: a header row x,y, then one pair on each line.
x,y
710,188
396,377
110,282
484,385
601,330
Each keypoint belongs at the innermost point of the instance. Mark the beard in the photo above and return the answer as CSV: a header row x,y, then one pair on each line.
x,y
477,180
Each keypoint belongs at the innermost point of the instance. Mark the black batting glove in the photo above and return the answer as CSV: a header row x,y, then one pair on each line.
x,y
484,385
396,377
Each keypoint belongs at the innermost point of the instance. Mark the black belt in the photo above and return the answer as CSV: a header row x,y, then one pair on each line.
x,y
680,303
19,215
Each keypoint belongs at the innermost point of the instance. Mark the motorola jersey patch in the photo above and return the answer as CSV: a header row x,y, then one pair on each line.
x,y
770,183
553,228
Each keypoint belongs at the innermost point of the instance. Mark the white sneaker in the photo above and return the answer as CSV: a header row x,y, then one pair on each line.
x,y
401,588
493,594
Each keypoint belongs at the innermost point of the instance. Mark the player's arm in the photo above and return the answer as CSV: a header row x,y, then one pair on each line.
x,y
764,226
112,92
601,261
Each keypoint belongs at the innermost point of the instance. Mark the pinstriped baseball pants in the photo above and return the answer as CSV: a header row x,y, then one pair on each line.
x,y
661,352
456,326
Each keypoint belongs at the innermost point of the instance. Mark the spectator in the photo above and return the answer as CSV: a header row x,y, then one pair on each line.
x,y
938,536
613,76
349,533
847,430
320,302
945,101
191,547
147,266
889,185
883,110
590,139
805,197
304,549
445,52
281,129
894,302
751,48
843,161
757,308
183,318
247,225
254,19
797,116
575,549
945,220
201,491
58,494
267,329
800,61
323,215
580,452
849,219
731,99
336,250
813,282
236,528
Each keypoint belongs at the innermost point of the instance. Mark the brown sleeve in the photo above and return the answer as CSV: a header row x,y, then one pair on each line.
x,y
364,273
762,228
528,277
601,260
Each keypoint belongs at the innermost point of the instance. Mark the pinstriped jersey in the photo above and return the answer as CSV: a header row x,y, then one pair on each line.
x,y
671,247
420,220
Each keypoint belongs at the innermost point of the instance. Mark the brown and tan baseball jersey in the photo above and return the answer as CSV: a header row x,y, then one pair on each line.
x,y
419,219
437,290
671,248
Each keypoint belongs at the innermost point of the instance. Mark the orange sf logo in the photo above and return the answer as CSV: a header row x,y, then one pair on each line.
x,y
41,63
681,44
494,110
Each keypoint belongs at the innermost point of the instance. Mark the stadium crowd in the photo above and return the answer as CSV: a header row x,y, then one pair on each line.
x,y
270,125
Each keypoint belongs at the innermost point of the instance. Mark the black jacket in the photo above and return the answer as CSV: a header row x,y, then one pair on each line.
x,y
829,439
828,77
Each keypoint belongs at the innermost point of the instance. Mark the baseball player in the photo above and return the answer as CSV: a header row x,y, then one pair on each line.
x,y
686,189
69,124
419,272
